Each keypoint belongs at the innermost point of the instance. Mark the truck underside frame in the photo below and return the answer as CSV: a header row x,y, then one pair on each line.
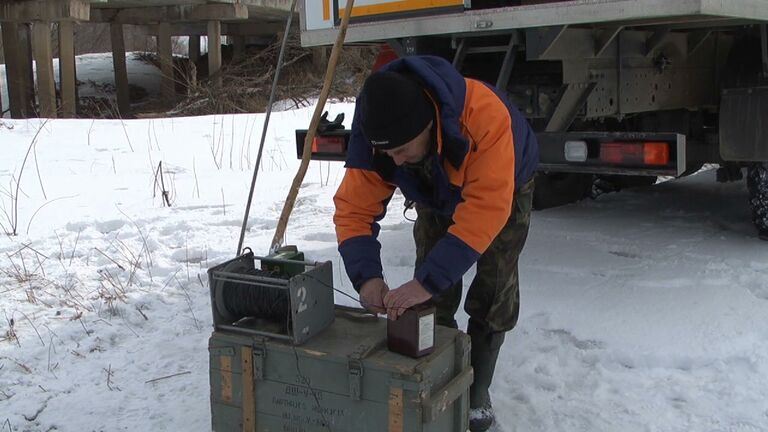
x,y
627,68
619,13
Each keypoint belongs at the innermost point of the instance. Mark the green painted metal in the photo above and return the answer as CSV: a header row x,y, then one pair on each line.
x,y
310,293
276,261
310,387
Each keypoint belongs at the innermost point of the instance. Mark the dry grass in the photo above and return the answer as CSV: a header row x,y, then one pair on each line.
x,y
246,82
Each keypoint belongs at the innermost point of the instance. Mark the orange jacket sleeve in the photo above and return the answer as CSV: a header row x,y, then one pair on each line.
x,y
361,201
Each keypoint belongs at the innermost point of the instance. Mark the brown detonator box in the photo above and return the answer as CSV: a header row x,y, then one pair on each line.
x,y
413,333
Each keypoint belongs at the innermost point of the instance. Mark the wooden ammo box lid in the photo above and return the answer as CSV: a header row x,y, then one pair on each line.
x,y
343,379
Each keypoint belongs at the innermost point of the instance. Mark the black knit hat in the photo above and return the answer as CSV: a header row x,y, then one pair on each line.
x,y
394,110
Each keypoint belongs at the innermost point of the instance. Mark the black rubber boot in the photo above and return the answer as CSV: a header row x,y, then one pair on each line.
x,y
485,351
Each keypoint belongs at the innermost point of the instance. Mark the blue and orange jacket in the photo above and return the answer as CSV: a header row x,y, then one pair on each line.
x,y
484,148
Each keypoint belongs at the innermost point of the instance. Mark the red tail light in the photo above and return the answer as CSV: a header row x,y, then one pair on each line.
x,y
328,144
656,153
635,153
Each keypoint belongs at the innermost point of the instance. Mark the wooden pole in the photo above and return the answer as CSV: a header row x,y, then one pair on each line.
x,y
164,51
27,77
67,79
214,50
121,69
46,87
13,70
290,201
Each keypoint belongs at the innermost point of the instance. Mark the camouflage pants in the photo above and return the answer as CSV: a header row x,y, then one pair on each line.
x,y
493,299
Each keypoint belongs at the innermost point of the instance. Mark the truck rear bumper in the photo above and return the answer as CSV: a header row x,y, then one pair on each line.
x,y
613,153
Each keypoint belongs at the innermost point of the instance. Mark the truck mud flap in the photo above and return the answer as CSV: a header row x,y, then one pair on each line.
x,y
743,129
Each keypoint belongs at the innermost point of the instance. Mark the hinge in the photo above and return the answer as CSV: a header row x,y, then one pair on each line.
x,y
259,356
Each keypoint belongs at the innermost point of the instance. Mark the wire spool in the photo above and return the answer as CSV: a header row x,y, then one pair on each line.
x,y
237,300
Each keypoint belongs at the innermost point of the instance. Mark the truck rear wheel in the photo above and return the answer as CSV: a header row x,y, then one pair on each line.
x,y
558,188
757,183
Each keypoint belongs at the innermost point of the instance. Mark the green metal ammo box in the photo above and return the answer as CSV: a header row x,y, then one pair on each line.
x,y
342,380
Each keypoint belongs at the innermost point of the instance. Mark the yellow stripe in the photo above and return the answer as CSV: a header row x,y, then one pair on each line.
x,y
400,6
226,378
326,10
249,395
395,409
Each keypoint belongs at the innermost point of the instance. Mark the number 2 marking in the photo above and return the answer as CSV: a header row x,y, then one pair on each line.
x,y
302,294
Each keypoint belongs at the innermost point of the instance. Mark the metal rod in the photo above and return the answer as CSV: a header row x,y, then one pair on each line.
x,y
254,284
237,277
290,261
330,72
461,52
507,64
266,123
251,331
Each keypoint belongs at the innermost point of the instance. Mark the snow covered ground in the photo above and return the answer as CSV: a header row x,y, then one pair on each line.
x,y
641,311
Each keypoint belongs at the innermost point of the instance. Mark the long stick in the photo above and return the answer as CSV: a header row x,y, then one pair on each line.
x,y
290,201
266,123
167,376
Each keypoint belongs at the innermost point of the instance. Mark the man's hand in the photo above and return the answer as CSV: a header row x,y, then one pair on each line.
x,y
372,295
407,295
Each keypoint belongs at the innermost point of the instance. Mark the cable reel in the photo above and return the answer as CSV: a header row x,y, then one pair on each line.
x,y
286,298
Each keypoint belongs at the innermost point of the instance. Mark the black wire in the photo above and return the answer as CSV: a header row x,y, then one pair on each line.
x,y
408,205
362,303
246,300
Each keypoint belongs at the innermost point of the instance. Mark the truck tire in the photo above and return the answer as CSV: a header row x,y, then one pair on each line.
x,y
757,183
558,188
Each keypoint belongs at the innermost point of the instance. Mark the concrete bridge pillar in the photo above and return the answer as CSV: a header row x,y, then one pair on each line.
x,y
67,74
120,68
165,53
17,50
214,50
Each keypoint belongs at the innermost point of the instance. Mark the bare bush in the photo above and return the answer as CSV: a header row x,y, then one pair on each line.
x,y
246,81
14,191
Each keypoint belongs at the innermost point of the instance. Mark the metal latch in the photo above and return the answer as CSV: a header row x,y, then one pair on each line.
x,y
355,379
259,356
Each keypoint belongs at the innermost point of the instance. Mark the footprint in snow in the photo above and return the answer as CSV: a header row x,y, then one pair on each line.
x,y
568,338
109,226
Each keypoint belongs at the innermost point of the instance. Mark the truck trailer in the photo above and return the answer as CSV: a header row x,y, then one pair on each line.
x,y
619,92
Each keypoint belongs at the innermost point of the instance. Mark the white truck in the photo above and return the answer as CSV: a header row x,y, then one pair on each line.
x,y
618,91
